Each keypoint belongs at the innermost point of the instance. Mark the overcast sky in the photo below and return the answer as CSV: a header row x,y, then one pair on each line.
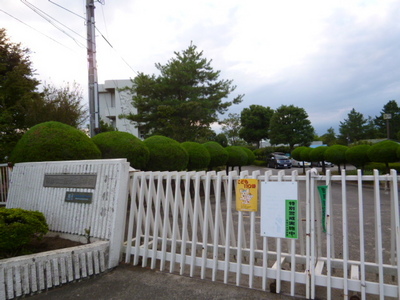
x,y
326,56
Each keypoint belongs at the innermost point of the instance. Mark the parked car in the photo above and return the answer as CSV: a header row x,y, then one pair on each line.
x,y
318,164
275,160
299,163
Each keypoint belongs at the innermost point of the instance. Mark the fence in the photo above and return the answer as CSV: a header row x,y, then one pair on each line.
x,y
4,183
186,223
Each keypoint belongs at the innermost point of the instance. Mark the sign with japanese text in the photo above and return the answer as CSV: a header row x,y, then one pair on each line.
x,y
247,195
279,210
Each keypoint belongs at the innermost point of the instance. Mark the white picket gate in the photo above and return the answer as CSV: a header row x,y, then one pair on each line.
x,y
186,223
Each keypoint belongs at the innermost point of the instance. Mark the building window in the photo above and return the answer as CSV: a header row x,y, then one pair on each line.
x,y
112,94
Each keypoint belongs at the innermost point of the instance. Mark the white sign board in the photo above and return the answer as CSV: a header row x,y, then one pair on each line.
x,y
279,209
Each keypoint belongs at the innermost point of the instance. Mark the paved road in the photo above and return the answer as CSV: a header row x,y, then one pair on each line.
x,y
128,282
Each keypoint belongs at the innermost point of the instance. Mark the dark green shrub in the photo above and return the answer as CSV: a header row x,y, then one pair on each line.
x,y
118,144
166,154
305,154
199,157
218,154
250,156
296,153
384,152
336,154
17,229
358,155
54,141
318,154
237,157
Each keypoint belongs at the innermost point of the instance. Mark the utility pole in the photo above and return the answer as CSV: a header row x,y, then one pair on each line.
x,y
94,122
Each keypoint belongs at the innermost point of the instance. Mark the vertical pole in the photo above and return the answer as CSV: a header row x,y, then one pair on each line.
x,y
92,64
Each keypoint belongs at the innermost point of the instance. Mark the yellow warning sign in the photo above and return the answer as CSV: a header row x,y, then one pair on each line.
x,y
247,195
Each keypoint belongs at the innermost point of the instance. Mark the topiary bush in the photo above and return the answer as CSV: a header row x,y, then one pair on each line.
x,y
199,157
17,229
118,144
358,156
337,155
384,152
250,156
218,154
166,154
54,141
237,157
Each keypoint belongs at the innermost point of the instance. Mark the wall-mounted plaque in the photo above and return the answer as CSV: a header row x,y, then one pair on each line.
x,y
84,181
78,197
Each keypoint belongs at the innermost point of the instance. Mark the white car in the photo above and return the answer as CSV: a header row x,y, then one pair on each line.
x,y
299,163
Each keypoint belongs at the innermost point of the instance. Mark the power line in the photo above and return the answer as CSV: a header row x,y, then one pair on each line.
x,y
35,29
49,19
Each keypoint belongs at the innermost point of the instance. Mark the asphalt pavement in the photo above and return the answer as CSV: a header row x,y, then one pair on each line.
x,y
130,282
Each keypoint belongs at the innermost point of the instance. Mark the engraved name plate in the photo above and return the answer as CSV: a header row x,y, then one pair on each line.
x,y
85,181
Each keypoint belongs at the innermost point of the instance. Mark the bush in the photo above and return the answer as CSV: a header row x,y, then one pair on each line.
x,y
166,154
54,141
17,229
384,152
218,154
118,144
357,155
296,153
199,157
336,154
250,156
237,157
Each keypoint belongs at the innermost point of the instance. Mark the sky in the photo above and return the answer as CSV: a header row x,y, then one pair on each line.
x,y
326,56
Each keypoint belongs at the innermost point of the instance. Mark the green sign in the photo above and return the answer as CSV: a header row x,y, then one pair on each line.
x,y
292,219
322,189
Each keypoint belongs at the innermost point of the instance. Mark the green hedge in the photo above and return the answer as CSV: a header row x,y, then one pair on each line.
x,y
199,157
54,141
218,154
166,154
17,229
118,144
237,156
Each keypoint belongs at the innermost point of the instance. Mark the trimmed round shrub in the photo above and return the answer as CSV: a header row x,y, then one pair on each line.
x,y
18,227
296,153
336,154
166,154
54,141
199,157
358,155
218,154
384,152
118,144
318,154
305,154
250,156
236,156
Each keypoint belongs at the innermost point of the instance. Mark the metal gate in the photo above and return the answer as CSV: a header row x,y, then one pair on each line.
x,y
186,223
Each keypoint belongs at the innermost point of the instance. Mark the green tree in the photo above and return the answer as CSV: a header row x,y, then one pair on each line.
x,y
329,138
384,152
58,104
394,122
358,156
184,100
355,128
290,125
17,88
231,127
255,123
337,155
318,155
